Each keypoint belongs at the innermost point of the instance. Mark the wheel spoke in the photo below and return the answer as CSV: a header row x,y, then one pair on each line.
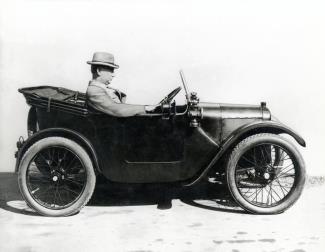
x,y
276,192
42,192
69,190
262,194
75,182
67,167
286,172
288,166
241,169
248,191
249,161
39,165
59,194
64,158
265,160
55,193
272,198
285,155
286,175
281,188
284,187
268,195
38,176
46,160
257,193
254,154
39,181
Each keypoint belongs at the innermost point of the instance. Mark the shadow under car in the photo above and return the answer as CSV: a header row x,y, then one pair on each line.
x,y
206,195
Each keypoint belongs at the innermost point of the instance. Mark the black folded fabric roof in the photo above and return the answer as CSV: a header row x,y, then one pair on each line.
x,y
56,93
56,98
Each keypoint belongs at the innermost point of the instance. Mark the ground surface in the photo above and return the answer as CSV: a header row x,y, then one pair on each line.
x,y
131,220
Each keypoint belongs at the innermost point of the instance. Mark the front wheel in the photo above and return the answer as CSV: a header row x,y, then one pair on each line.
x,y
265,174
56,176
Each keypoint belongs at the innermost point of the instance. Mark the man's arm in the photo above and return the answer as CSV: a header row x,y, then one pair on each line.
x,y
100,100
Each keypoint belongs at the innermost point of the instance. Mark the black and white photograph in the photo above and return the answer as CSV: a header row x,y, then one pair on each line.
x,y
153,126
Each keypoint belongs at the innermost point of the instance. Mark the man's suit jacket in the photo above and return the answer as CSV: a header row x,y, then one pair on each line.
x,y
110,101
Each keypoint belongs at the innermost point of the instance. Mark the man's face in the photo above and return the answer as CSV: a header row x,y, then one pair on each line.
x,y
106,74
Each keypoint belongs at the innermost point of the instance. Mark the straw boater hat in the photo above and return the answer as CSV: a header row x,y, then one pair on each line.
x,y
103,59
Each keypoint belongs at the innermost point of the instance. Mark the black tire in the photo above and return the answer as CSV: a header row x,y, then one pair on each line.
x,y
254,168
64,184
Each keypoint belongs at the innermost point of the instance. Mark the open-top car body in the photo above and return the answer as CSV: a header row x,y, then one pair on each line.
x,y
69,144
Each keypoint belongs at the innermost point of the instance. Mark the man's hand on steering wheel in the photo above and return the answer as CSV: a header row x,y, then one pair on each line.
x,y
151,109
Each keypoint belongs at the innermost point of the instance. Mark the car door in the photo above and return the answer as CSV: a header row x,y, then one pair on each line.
x,y
154,139
153,148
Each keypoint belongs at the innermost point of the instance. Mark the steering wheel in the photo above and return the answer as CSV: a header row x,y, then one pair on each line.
x,y
170,96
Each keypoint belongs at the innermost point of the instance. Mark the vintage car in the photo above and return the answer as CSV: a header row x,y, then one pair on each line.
x,y
69,144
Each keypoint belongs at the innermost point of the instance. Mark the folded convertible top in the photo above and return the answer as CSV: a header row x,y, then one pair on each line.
x,y
56,98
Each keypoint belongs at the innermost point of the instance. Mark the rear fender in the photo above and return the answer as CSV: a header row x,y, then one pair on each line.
x,y
243,132
71,134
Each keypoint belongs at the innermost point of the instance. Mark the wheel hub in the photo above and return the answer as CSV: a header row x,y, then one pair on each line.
x,y
267,176
267,173
57,176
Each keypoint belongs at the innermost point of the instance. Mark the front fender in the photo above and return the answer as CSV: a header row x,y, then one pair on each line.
x,y
245,131
263,127
71,134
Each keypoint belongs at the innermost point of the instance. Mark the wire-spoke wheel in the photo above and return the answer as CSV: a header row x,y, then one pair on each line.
x,y
56,176
265,174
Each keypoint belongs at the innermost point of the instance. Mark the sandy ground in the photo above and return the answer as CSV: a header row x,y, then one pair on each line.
x,y
132,219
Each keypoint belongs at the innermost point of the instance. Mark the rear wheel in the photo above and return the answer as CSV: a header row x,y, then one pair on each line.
x,y
265,174
56,176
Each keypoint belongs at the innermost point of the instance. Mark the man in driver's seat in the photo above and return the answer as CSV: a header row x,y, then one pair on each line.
x,y
104,98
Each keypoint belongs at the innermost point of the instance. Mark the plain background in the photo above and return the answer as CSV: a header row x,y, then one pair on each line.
x,y
230,51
